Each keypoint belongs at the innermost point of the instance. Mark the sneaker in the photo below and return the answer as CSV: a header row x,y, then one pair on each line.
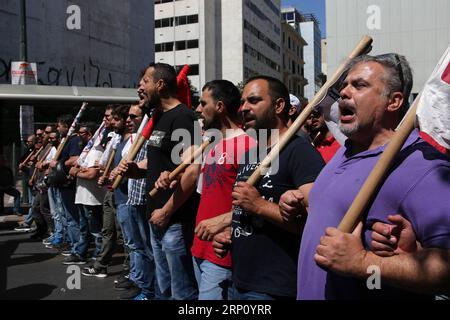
x,y
95,272
131,293
124,285
53,243
23,228
47,241
141,297
124,276
66,253
74,259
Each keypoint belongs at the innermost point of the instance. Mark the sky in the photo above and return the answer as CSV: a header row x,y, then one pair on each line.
x,y
317,7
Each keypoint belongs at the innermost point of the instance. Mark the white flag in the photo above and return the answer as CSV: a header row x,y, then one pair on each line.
x,y
433,111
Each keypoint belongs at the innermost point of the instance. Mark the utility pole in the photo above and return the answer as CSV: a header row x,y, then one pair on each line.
x,y
23,31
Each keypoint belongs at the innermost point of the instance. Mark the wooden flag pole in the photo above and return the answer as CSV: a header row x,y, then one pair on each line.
x,y
363,47
130,157
379,172
182,167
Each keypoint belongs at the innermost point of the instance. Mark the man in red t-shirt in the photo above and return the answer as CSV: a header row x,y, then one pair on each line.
x,y
321,137
218,109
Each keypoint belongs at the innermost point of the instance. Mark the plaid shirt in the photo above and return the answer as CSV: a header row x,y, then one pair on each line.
x,y
136,187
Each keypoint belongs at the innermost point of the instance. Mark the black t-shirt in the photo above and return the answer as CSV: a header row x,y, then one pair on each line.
x,y
159,153
265,255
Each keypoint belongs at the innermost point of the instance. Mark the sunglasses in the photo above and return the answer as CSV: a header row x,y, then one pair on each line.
x,y
133,116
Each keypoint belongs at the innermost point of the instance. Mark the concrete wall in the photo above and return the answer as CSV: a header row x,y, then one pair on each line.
x,y
418,29
115,42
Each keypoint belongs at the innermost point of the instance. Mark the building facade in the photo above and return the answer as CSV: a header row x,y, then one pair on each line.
x,y
229,39
310,31
80,42
418,29
293,63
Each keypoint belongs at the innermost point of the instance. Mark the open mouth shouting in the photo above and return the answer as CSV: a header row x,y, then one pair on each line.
x,y
348,112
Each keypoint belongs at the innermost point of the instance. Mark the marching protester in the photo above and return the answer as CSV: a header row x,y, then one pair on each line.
x,y
321,137
264,244
334,265
172,211
218,108
142,265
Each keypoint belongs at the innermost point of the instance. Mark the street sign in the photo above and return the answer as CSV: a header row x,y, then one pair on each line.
x,y
23,72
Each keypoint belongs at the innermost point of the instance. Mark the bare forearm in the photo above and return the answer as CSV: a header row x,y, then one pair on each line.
x,y
271,212
89,174
426,271
183,191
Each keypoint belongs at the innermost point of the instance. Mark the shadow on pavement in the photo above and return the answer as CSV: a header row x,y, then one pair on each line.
x,y
29,292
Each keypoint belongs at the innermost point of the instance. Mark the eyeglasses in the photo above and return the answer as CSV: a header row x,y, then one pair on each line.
x,y
48,132
133,116
82,132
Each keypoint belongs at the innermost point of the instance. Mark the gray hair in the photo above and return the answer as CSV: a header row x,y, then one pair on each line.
x,y
399,77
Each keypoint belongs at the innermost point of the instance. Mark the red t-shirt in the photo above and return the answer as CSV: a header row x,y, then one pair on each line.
x,y
219,175
328,148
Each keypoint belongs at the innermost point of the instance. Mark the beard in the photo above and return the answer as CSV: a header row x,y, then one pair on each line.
x,y
213,123
266,121
349,130
153,101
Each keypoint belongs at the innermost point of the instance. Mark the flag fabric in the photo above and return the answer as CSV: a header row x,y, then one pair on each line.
x,y
184,91
433,111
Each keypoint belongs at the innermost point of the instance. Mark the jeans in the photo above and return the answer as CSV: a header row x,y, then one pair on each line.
x,y
122,217
174,269
142,264
90,222
71,214
56,209
214,282
241,294
29,219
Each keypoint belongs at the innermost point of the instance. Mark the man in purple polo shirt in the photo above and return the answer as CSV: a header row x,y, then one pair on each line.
x,y
335,265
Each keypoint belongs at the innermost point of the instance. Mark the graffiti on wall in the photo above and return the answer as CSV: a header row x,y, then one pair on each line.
x,y
88,75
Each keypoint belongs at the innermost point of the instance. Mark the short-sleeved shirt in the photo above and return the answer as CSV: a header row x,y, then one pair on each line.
x,y
219,175
159,157
417,187
73,148
264,255
137,187
88,191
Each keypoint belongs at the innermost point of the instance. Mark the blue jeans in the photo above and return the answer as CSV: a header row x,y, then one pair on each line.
x,y
142,264
90,222
241,294
29,219
174,269
71,214
214,282
57,211
122,218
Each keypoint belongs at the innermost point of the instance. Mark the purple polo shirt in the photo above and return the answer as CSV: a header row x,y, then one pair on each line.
x,y
418,186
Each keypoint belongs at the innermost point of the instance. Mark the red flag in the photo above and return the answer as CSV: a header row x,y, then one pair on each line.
x,y
184,91
446,74
148,129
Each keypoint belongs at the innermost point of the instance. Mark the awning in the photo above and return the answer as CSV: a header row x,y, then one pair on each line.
x,y
51,95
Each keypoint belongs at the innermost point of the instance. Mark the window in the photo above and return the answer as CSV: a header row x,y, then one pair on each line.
x,y
180,45
192,44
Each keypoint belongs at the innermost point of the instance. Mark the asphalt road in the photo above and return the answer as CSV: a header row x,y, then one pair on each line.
x,y
28,270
